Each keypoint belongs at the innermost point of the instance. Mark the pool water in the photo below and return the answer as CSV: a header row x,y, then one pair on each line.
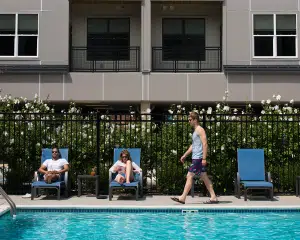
x,y
150,225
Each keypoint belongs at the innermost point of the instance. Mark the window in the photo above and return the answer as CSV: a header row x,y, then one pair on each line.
x,y
108,39
183,39
275,35
18,35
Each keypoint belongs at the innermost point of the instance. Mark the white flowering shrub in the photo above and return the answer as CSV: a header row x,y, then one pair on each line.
x,y
28,126
276,129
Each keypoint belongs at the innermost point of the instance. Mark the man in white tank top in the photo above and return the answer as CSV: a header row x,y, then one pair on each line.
x,y
199,152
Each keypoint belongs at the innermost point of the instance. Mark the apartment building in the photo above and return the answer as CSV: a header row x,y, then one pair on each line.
x,y
150,52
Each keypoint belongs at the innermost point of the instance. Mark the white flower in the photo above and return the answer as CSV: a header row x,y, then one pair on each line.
x,y
263,112
148,110
278,97
178,106
218,106
174,152
170,111
274,96
263,101
5,133
290,119
235,110
292,101
226,108
209,110
222,147
276,107
36,95
249,105
224,98
295,110
268,101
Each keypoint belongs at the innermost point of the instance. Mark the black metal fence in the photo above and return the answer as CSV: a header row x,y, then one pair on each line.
x,y
90,59
162,138
186,60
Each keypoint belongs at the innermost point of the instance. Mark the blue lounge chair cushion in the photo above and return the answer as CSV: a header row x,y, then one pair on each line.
x,y
250,184
42,184
116,184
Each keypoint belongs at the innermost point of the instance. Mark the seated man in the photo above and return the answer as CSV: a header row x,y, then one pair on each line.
x,y
125,168
55,166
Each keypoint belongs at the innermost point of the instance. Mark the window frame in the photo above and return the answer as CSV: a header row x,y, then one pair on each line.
x,y
183,19
16,37
274,36
108,19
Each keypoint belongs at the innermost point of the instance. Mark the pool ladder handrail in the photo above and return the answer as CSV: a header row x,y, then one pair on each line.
x,y
13,208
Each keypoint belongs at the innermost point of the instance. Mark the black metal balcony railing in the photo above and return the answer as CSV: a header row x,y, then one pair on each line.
x,y
208,59
91,59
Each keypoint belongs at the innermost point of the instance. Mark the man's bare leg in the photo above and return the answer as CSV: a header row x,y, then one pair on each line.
x,y
209,186
187,187
129,172
51,178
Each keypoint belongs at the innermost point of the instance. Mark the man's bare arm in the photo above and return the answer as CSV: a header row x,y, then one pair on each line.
x,y
42,169
188,152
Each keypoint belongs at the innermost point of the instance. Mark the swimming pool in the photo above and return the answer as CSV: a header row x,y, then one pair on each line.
x,y
150,224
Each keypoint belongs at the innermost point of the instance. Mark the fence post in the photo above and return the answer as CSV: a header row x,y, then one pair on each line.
x,y
204,120
98,142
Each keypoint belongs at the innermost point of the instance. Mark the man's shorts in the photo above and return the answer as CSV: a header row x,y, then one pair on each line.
x,y
196,167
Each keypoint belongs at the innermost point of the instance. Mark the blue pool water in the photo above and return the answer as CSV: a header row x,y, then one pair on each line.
x,y
150,225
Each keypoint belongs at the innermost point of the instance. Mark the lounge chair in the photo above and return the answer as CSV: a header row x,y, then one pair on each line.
x,y
38,181
137,185
251,172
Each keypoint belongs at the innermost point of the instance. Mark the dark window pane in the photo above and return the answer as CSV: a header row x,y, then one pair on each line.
x,y
263,25
7,23
97,25
172,26
263,46
194,26
286,46
119,25
27,24
185,48
7,45
27,46
108,39
108,47
286,24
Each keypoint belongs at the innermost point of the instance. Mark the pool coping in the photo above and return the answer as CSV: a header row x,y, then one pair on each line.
x,y
153,208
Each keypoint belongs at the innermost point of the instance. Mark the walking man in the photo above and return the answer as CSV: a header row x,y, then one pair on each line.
x,y
199,152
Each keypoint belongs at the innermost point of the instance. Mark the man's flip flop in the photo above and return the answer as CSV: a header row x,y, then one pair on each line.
x,y
175,199
211,202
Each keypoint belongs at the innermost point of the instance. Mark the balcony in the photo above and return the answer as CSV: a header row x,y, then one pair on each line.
x,y
84,59
208,59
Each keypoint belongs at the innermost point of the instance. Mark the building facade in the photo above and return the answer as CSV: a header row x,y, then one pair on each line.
x,y
147,52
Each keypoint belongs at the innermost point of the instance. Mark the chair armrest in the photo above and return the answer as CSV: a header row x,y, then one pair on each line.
x,y
66,179
35,176
109,176
141,179
269,177
238,179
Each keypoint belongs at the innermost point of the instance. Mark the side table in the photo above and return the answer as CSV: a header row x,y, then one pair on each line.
x,y
96,178
297,186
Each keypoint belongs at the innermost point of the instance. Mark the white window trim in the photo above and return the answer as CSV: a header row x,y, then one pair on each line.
x,y
16,38
275,37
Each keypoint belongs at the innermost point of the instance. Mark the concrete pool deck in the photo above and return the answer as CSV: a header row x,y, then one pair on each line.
x,y
151,201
